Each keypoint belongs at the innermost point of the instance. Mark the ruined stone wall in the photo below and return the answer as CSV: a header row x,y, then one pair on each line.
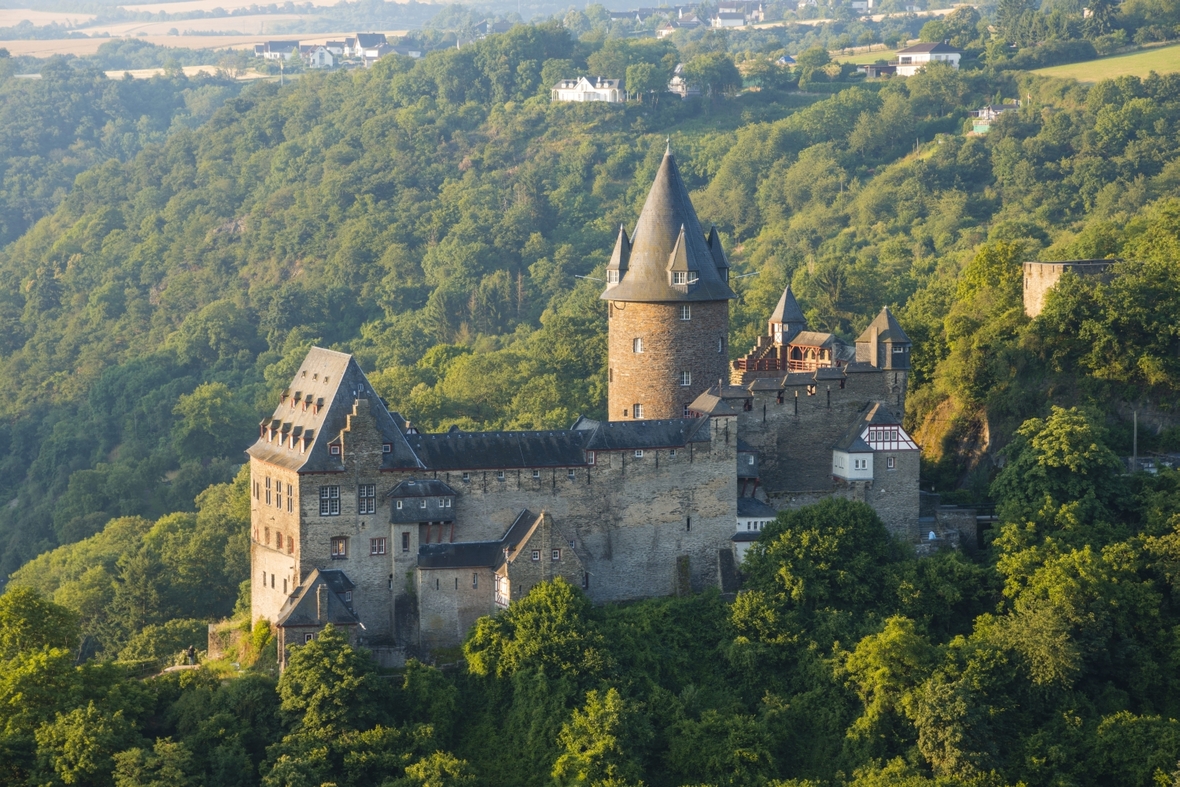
x,y
274,568
670,346
1040,277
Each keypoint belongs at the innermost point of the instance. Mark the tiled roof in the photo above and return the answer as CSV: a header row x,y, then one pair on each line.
x,y
499,450
788,309
753,507
422,487
478,554
888,329
668,220
302,606
627,435
938,48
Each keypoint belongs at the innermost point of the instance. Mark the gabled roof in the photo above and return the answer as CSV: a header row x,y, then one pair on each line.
x,y
788,309
888,329
628,435
302,607
814,339
370,40
710,404
499,450
934,49
422,487
875,414
668,217
323,393
478,554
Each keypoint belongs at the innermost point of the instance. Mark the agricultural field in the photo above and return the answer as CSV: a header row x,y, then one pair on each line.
x,y
189,6
11,17
1162,60
861,58
252,24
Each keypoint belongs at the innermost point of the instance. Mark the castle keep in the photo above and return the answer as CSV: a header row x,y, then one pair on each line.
x,y
405,539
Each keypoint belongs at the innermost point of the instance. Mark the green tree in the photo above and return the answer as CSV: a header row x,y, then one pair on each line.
x,y
328,686
29,623
599,742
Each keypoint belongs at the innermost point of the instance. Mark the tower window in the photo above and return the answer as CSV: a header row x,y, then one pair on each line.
x,y
610,378
536,554
720,345
499,475
685,311
557,554
685,379
889,463
680,277
637,410
612,277
637,345
638,453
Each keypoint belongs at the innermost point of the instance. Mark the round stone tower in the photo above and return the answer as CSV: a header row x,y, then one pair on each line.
x,y
668,307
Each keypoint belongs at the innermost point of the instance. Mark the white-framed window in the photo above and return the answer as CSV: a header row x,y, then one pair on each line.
x,y
499,475
466,477
612,277
422,503
366,499
475,580
672,453
339,548
637,345
680,277
536,474
446,502
376,546
398,504
750,459
557,554
536,554
889,463
406,541
571,474
637,410
268,491
306,638
279,494
638,453
685,379
348,595
334,450
590,459
685,311
386,448
329,501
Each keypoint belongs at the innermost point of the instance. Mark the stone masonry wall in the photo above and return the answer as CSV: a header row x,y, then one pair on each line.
x,y
274,569
1040,277
449,603
670,346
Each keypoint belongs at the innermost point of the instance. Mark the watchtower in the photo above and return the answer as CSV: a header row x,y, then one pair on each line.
x,y
667,299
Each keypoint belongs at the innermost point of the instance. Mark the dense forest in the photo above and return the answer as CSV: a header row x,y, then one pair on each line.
x,y
175,246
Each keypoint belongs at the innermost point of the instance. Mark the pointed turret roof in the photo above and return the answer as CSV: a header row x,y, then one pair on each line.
x,y
719,258
787,310
888,329
667,224
622,252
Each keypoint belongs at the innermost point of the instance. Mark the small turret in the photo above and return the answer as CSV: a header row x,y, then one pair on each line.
x,y
719,258
787,318
616,269
884,344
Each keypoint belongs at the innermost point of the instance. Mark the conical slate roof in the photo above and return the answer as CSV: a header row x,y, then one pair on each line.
x,y
888,329
667,224
787,310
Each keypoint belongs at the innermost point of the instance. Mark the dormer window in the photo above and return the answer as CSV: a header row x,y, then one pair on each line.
x,y
680,277
612,277
386,448
334,450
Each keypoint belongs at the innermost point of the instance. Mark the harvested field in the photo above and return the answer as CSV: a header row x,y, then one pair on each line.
x,y
88,46
11,17
254,24
1162,60
188,6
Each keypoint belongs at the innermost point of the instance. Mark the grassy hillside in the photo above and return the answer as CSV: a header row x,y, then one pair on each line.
x,y
1161,60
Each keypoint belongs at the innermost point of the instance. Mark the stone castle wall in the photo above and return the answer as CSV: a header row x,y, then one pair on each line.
x,y
274,570
670,346
1040,277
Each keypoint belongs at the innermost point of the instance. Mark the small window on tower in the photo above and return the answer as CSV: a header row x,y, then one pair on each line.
x,y
638,453
685,379
499,475
612,277
637,345
334,450
637,410
686,312
536,554
680,277
571,474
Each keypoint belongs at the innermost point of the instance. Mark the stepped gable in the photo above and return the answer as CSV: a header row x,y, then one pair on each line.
x,y
888,329
456,450
668,224
649,434
787,310
313,411
303,607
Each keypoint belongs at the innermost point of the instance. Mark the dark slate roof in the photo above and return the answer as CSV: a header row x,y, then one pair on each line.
x,y
746,535
764,384
857,367
627,435
814,339
709,403
422,487
499,450
370,40
331,383
667,218
875,413
300,609
622,252
788,309
798,378
880,415
745,448
888,329
938,48
829,373
477,554
719,258
753,507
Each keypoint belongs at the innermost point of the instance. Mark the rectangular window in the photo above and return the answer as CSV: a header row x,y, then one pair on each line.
x,y
348,595
278,539
466,477
750,459
446,501
306,638
536,474
329,501
406,541
499,475
720,345
571,474
612,277
685,379
386,448
536,554
267,541
268,491
279,496
334,450
366,502
376,546
290,501
290,545
339,548
889,463
685,311
590,458
680,277
257,491
422,503
637,410
638,453
475,581
557,554
672,453
585,580
637,345
398,504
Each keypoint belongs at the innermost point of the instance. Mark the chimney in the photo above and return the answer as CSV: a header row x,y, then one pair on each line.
x,y
321,603
873,346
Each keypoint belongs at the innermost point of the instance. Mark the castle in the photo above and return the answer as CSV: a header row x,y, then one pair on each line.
x,y
404,539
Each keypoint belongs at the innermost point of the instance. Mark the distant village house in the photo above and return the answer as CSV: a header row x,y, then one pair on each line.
x,y
590,88
913,59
